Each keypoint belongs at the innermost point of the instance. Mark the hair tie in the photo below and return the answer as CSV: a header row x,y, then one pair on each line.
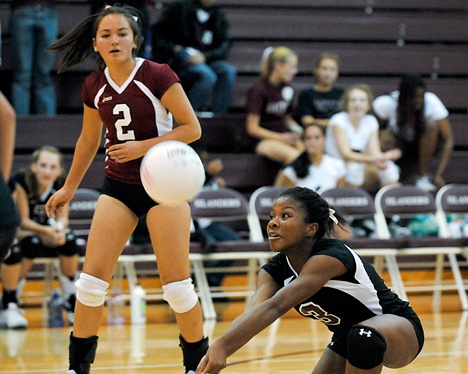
x,y
332,216
110,6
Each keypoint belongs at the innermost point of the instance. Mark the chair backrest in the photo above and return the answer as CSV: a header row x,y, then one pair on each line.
x,y
451,199
260,204
222,204
81,211
405,201
351,201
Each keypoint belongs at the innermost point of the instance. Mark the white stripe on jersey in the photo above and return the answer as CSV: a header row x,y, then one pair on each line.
x,y
364,291
163,118
119,89
98,96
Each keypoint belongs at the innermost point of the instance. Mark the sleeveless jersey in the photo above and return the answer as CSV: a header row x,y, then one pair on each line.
x,y
346,300
132,111
37,203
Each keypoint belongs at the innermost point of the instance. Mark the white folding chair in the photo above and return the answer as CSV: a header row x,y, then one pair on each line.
x,y
228,205
408,201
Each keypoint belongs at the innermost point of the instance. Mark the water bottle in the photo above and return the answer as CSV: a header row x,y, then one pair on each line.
x,y
116,305
138,305
55,308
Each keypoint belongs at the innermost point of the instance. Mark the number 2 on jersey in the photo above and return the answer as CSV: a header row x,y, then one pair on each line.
x,y
120,124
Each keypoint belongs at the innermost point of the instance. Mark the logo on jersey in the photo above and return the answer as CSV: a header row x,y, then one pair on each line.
x,y
108,98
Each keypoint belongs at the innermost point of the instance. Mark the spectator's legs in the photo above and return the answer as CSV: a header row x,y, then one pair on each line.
x,y
222,93
278,151
10,278
23,36
205,80
427,148
44,100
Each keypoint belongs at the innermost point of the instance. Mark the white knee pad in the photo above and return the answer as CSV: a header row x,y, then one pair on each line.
x,y
180,295
391,174
91,291
355,173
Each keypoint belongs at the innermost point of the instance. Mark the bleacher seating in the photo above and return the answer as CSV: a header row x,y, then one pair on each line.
x,y
377,41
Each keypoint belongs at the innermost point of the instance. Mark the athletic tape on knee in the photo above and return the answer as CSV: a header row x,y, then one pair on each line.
x,y
180,295
91,291
366,347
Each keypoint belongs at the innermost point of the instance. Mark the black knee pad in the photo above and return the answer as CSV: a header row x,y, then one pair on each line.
x,y
15,256
70,248
31,247
366,347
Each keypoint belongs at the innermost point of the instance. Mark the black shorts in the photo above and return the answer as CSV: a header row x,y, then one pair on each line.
x,y
338,343
133,196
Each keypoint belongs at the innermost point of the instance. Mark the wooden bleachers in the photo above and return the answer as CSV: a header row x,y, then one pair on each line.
x,y
377,42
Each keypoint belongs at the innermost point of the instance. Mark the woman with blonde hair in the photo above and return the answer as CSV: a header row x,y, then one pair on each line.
x,y
269,108
352,135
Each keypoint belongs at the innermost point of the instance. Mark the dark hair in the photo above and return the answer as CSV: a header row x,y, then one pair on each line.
x,y
301,164
407,111
316,208
78,43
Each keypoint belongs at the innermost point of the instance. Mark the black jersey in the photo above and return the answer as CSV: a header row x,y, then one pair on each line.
x,y
346,300
37,203
8,214
319,104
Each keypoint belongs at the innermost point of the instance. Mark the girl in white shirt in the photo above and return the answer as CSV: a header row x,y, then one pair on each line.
x,y
352,135
313,169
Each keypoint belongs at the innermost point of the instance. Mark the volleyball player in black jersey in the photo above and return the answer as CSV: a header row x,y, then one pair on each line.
x,y
323,279
8,217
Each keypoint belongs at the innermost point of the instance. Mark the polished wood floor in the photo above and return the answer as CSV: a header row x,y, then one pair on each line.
x,y
292,345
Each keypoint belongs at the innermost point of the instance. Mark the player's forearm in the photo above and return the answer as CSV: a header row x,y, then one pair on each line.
x,y
84,154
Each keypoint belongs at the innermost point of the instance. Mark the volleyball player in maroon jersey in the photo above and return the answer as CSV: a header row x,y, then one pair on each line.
x,y
135,100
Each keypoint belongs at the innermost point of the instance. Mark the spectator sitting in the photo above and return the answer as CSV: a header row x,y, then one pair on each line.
x,y
318,103
352,135
418,123
313,169
33,27
38,235
269,108
193,37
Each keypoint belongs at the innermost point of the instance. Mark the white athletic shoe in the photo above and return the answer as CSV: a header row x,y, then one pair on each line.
x,y
425,183
71,372
12,317
190,372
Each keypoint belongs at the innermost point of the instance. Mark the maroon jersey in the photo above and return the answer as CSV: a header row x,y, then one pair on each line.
x,y
272,103
132,111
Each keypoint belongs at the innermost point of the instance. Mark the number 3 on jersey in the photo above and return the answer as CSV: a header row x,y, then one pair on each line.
x,y
316,312
120,124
